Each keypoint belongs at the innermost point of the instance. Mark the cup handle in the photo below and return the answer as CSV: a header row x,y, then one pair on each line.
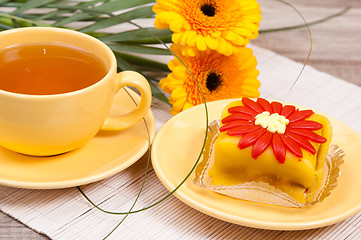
x,y
134,79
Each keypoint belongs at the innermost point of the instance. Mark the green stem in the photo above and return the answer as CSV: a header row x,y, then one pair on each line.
x,y
195,163
310,35
343,11
144,178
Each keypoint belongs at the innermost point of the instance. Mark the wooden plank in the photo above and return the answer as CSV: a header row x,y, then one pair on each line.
x,y
336,43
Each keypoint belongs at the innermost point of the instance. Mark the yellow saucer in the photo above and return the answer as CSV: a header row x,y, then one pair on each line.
x,y
178,143
103,156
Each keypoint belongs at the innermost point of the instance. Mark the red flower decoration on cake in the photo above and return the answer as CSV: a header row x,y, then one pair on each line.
x,y
297,132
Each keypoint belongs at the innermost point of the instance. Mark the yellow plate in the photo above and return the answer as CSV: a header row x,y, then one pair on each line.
x,y
103,156
178,143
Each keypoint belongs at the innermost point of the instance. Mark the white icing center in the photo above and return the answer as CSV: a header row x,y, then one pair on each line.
x,y
272,122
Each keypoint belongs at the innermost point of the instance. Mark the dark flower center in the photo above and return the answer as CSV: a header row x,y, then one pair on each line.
x,y
208,10
213,81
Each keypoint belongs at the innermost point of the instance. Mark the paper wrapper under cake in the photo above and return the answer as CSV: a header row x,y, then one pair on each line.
x,y
263,192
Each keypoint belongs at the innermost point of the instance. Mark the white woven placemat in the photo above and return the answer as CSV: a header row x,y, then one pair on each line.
x,y
65,214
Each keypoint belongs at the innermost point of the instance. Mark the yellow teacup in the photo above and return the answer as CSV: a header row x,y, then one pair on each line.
x,y
51,124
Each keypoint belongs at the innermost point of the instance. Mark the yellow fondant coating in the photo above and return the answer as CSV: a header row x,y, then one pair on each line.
x,y
233,165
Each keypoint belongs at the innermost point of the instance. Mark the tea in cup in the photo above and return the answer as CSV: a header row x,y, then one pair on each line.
x,y
56,90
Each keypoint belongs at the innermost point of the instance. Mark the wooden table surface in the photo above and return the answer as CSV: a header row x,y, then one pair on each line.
x,y
336,50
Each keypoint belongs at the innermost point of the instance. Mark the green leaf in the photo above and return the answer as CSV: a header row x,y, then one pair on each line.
x,y
5,27
50,15
117,5
23,22
156,92
97,34
139,49
143,62
91,3
106,8
134,35
123,64
141,12
74,18
15,23
4,1
54,15
6,22
31,4
152,40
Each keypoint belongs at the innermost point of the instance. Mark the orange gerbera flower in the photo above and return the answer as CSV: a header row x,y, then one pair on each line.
x,y
219,77
221,25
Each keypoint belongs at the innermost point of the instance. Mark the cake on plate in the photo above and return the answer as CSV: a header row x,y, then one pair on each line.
x,y
261,141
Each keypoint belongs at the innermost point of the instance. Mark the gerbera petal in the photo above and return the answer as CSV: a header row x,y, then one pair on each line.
x,y
306,124
187,105
234,124
176,25
161,19
250,138
184,38
174,111
234,38
291,145
229,49
288,110
169,4
172,64
252,104
160,25
279,149
242,130
191,40
265,105
189,51
222,45
250,91
299,115
261,144
201,43
242,109
164,85
216,34
310,135
179,71
276,107
302,142
169,84
251,80
178,93
176,37
238,116
211,42
241,31
177,105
